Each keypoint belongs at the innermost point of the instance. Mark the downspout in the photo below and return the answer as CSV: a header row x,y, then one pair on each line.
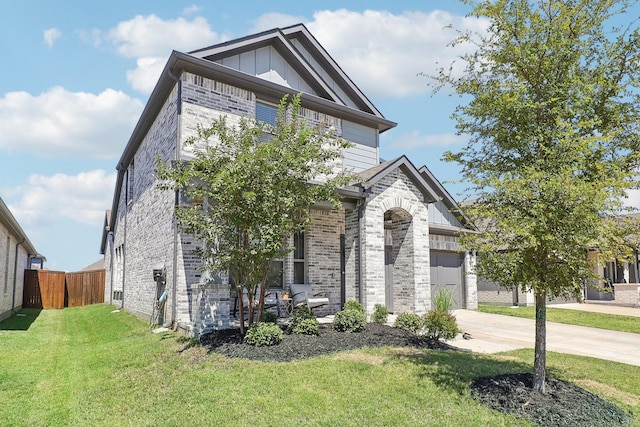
x,y
110,242
174,280
360,252
124,242
15,270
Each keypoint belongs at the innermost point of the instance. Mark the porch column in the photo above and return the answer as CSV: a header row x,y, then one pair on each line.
x,y
470,280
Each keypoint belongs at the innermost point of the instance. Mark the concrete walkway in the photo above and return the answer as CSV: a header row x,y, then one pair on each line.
x,y
492,333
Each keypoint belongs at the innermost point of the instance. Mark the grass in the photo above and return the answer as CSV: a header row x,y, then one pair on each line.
x,y
89,366
611,322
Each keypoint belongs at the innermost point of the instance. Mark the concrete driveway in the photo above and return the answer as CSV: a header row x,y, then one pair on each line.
x,y
492,333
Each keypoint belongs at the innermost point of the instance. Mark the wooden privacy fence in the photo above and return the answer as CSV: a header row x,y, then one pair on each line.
x,y
57,289
85,288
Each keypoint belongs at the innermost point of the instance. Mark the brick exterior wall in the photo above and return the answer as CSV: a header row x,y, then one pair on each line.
x,y
145,233
144,230
322,257
470,281
396,192
7,278
626,294
352,255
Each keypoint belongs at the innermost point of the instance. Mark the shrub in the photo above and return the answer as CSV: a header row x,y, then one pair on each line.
x,y
306,327
409,322
263,334
443,300
303,315
440,325
269,317
349,320
353,305
380,313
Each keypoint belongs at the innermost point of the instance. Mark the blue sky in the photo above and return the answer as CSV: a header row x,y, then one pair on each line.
x,y
76,75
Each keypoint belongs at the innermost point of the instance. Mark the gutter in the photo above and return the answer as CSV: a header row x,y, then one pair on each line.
x,y
15,270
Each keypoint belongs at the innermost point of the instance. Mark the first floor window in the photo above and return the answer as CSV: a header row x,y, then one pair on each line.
x,y
298,258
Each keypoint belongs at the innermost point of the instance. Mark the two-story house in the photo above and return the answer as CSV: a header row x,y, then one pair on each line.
x,y
392,243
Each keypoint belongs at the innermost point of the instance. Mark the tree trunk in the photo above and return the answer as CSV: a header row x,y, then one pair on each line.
x,y
540,360
261,301
241,308
251,296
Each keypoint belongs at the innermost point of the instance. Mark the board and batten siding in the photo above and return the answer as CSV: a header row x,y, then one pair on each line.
x,y
324,74
439,214
267,64
363,154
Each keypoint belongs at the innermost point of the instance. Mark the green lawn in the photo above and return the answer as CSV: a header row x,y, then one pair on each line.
x,y
88,366
572,317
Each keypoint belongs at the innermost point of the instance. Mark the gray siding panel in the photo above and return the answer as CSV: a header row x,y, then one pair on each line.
x,y
248,63
359,134
324,74
363,154
263,60
268,64
359,157
439,214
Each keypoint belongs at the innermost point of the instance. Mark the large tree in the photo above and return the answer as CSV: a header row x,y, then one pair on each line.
x,y
250,186
554,143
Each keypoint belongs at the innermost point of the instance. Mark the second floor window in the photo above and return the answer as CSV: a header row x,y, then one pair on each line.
x,y
268,115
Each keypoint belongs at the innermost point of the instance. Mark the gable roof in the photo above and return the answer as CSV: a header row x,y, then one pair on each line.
x,y
307,57
106,228
372,175
10,223
446,198
196,63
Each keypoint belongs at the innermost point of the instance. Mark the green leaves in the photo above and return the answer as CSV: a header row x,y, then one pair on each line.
x,y
553,139
248,195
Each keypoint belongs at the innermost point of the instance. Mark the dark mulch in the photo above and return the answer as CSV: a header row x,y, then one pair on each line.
x,y
564,404
228,342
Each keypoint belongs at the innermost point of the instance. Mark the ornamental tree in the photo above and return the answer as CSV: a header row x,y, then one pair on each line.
x,y
554,143
250,188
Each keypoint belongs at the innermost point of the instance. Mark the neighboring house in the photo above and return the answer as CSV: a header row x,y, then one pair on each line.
x,y
16,254
393,242
619,282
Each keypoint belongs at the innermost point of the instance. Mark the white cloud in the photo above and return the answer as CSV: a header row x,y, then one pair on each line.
x,y
272,20
63,123
383,52
145,36
190,10
50,36
633,199
145,76
151,39
82,198
92,37
414,140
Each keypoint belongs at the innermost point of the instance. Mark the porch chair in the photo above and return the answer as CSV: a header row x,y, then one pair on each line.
x,y
270,300
302,294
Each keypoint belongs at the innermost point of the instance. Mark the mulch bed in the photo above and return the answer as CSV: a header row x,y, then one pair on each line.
x,y
228,342
565,404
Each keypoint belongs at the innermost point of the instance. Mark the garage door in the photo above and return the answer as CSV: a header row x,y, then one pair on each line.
x,y
446,272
